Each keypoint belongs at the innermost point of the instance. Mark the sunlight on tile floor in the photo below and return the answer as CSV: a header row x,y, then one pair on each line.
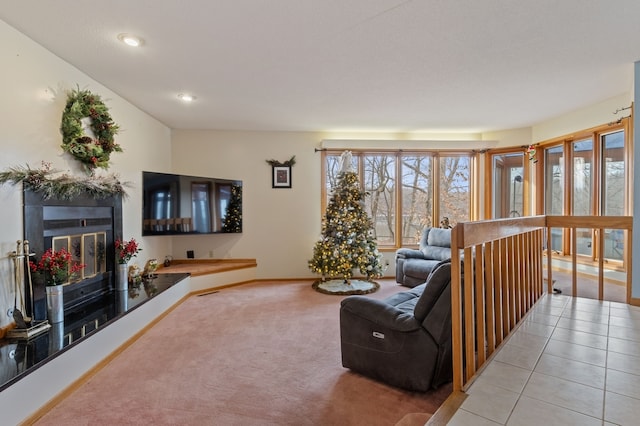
x,y
572,361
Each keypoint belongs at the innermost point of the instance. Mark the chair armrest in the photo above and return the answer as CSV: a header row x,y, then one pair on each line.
x,y
407,253
379,313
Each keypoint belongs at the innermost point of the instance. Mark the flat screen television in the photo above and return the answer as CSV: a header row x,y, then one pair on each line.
x,y
180,205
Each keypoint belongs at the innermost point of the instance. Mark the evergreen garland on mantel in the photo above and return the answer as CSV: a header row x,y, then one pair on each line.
x,y
47,182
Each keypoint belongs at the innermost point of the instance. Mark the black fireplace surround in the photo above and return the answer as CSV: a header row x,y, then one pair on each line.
x,y
49,221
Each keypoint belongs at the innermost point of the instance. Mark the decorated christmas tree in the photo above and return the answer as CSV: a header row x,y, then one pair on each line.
x,y
232,221
347,241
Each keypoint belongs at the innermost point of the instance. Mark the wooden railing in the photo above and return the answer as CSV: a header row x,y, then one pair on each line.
x,y
497,276
502,269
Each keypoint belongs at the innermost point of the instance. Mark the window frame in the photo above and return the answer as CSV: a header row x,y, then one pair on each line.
x,y
489,177
595,134
435,155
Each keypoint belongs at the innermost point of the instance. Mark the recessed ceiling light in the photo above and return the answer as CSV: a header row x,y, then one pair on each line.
x,y
185,97
130,40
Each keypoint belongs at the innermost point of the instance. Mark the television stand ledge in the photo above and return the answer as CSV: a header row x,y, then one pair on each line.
x,y
198,267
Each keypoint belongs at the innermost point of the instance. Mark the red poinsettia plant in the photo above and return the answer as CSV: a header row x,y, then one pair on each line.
x,y
56,266
125,250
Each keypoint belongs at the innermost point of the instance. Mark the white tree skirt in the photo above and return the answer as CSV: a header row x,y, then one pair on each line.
x,y
339,286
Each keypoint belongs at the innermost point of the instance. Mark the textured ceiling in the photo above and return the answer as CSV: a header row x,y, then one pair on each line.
x,y
336,65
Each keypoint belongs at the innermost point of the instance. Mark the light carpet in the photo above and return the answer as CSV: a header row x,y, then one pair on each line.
x,y
263,353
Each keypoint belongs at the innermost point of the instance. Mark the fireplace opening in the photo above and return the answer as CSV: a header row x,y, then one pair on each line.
x,y
86,249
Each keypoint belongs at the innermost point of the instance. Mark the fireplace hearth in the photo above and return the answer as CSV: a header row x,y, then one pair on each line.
x,y
87,228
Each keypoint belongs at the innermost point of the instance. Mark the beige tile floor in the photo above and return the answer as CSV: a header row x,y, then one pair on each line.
x,y
572,361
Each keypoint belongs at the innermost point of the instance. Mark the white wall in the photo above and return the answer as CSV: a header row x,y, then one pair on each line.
x,y
33,86
584,118
509,138
280,226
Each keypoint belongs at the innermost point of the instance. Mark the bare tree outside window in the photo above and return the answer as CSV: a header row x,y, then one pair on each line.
x,y
417,196
379,183
410,183
613,188
613,174
455,188
332,164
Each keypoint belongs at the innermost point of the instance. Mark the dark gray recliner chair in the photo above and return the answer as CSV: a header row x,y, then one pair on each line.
x,y
404,340
414,265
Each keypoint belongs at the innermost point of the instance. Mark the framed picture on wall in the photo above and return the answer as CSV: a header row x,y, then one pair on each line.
x,y
281,176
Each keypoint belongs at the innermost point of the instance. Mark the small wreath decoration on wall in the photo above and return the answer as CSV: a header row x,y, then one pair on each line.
x,y
281,172
290,162
91,150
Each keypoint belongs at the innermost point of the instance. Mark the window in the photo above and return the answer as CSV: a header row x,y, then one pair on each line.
x,y
581,187
402,198
613,174
508,185
592,168
379,184
416,196
554,180
554,189
455,188
332,168
614,190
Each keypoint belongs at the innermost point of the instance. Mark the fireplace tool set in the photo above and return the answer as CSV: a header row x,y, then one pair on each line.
x,y
26,327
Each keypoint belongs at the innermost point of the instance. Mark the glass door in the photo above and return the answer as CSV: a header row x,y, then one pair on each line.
x,y
508,185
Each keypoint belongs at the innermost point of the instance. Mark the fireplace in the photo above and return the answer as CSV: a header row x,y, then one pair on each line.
x,y
86,227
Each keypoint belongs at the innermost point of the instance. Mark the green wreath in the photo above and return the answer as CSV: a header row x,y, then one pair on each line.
x,y
92,153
